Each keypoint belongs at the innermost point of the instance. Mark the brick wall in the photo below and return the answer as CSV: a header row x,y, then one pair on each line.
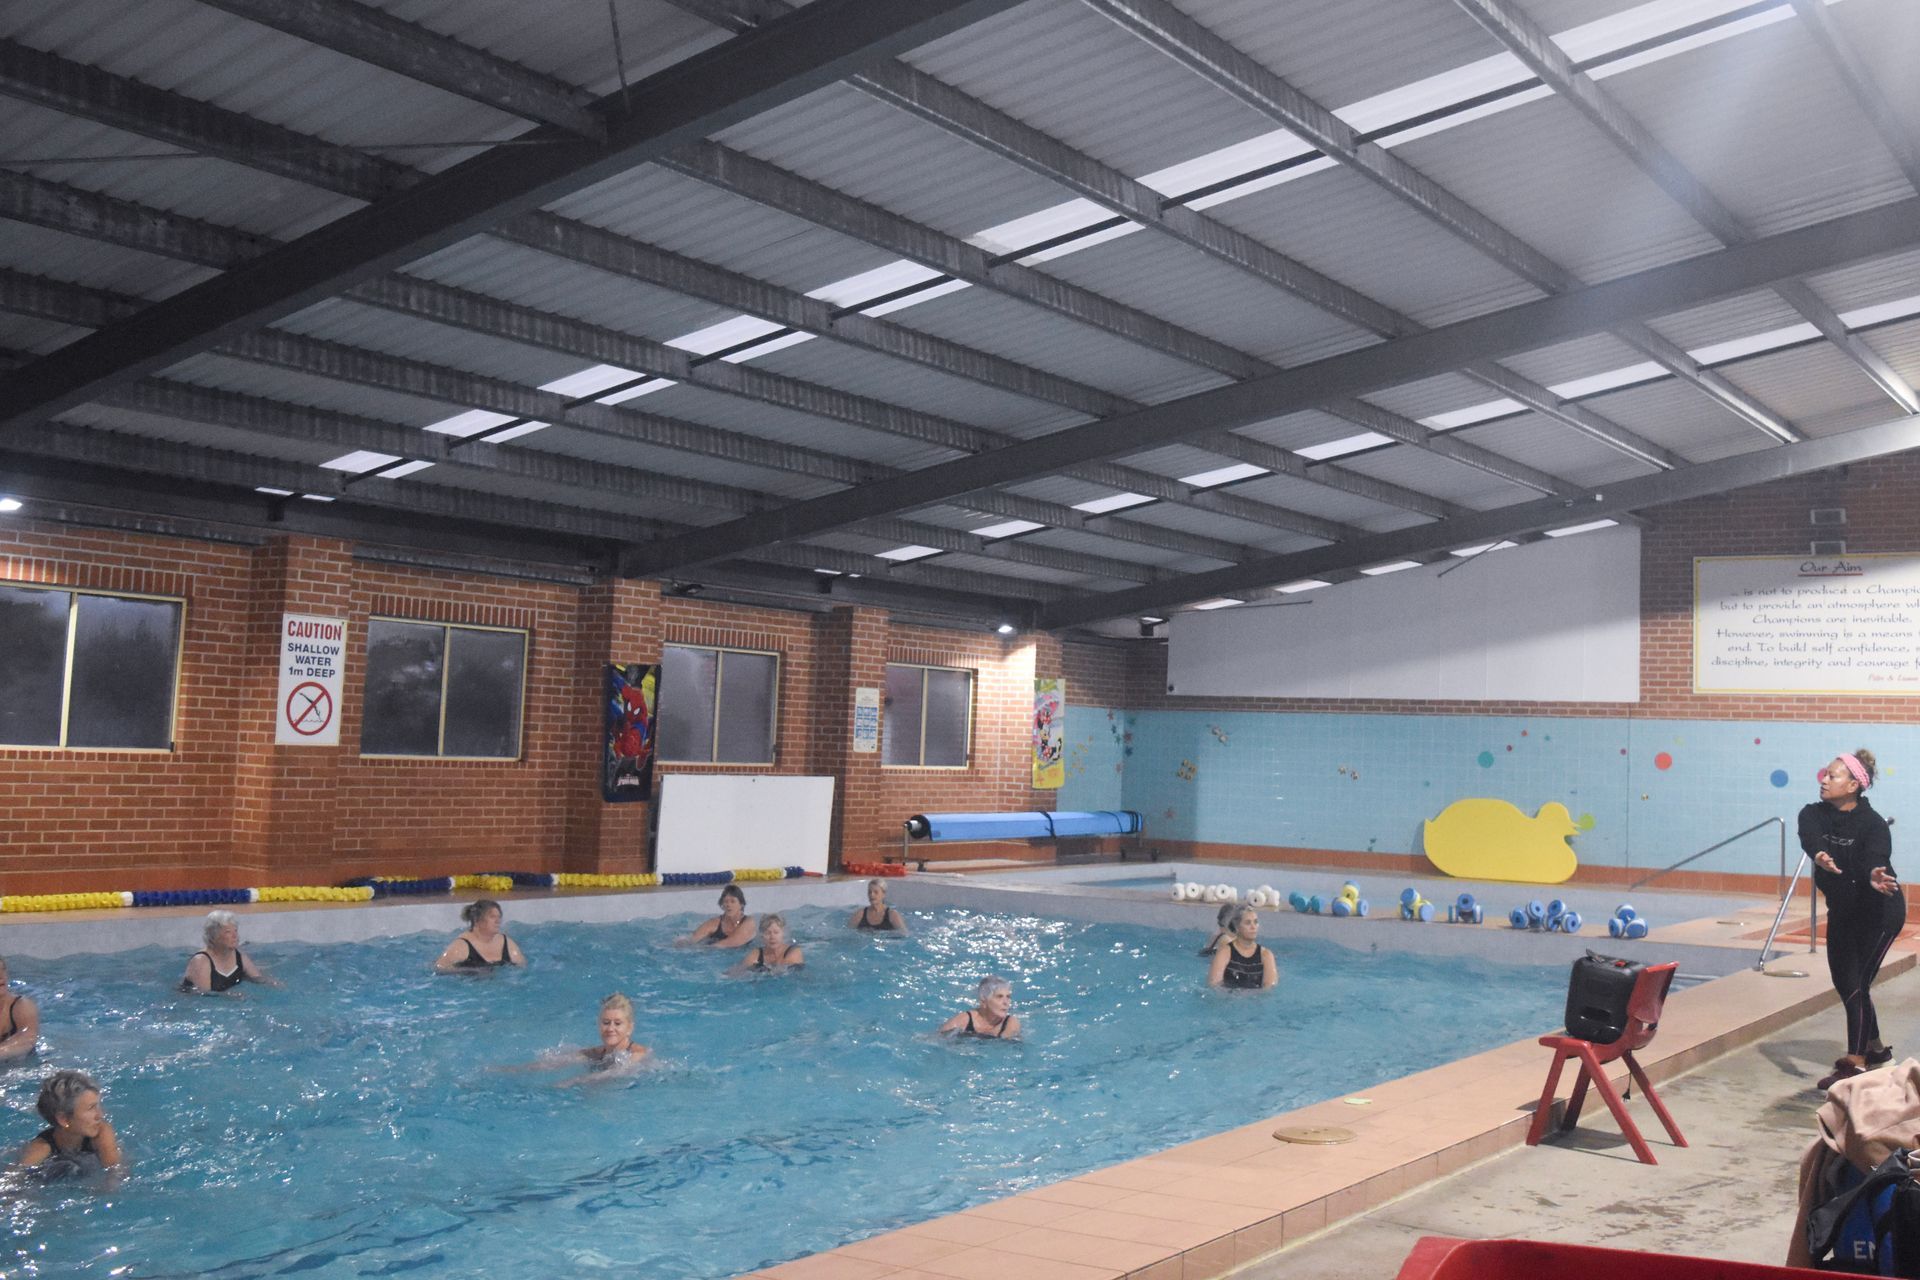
x,y
229,807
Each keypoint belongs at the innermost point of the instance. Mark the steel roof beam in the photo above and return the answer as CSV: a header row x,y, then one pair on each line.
x,y
89,447
1529,326
1530,43
373,36
1405,430
1860,83
1640,492
1234,72
965,117
138,227
813,47
157,397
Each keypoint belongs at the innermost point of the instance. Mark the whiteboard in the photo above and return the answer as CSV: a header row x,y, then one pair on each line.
x,y
1552,621
725,822
1807,624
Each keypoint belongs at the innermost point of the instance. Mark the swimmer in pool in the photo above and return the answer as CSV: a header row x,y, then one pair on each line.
x,y
77,1138
482,946
617,1054
1220,931
221,966
774,954
877,916
22,1017
1243,964
733,927
991,1018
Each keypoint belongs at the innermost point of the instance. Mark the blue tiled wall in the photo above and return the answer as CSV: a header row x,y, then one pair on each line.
x,y
1367,782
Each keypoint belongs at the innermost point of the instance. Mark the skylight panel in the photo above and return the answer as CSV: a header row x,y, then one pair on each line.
x,y
1346,445
1698,40
1224,475
1008,528
1224,602
635,392
1898,309
1482,549
1754,344
877,283
727,333
268,489
1305,584
316,497
1395,567
1613,379
361,460
405,470
1642,22
1055,220
514,433
900,555
1471,414
600,377
470,423
767,348
1435,92
1588,527
1228,162
925,295
1113,502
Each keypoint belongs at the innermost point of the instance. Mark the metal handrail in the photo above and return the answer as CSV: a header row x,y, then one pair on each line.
x,y
1813,914
1694,857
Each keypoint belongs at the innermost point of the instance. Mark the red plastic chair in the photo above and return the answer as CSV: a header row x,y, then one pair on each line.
x,y
1643,1019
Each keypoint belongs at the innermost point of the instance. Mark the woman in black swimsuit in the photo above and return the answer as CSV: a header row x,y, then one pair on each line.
x,y
991,1018
77,1138
220,966
22,1018
1243,964
482,946
877,916
774,954
733,927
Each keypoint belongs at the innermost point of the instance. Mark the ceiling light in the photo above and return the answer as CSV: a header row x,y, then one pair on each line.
x,y
10,504
1305,584
1395,567
1005,628
1588,527
1224,602
1482,549
273,492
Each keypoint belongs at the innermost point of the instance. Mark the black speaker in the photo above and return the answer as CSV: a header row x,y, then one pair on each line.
x,y
1597,995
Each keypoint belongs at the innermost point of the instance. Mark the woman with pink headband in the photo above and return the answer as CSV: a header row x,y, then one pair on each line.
x,y
1853,865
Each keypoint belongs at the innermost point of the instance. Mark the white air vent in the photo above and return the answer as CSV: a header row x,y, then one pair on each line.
x,y
1829,546
1828,515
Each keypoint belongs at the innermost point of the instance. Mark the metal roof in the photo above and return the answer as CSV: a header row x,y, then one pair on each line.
x,y
898,273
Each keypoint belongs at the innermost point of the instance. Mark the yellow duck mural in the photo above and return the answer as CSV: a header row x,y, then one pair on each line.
x,y
1494,840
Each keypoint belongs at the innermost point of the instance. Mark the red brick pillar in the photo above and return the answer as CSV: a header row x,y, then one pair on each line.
x,y
850,646
286,811
619,622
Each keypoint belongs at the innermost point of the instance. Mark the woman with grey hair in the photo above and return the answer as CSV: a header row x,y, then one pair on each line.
x,y
1243,964
76,1128
991,1018
220,966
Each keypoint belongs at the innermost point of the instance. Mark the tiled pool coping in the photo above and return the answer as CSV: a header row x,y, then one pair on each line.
x,y
1193,1211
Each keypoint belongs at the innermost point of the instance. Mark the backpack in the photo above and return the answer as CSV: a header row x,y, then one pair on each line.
x,y
1870,1224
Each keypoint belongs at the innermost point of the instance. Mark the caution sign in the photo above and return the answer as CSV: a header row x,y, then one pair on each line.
x,y
313,660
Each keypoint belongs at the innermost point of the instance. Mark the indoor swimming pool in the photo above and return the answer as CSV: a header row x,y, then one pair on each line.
x,y
355,1123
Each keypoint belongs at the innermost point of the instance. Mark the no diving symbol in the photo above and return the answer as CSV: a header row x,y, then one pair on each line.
x,y
309,709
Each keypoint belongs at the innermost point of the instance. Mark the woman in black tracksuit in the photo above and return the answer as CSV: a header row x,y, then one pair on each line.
x,y
1852,863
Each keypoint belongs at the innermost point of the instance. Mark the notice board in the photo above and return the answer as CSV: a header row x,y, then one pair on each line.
x,y
1807,624
723,822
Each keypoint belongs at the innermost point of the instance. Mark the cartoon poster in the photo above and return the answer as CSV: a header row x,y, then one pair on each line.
x,y
626,767
1049,734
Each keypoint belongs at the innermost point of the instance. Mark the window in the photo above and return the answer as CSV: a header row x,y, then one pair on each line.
x,y
439,690
929,717
716,706
81,669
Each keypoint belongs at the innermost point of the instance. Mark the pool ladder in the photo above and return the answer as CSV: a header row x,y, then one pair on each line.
x,y
1786,894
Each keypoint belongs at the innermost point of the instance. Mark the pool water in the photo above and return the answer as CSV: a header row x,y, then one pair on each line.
x,y
354,1124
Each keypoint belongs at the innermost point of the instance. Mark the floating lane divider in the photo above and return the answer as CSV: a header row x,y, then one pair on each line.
x,y
367,888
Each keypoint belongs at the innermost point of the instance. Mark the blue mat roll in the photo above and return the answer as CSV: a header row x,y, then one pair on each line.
x,y
1022,826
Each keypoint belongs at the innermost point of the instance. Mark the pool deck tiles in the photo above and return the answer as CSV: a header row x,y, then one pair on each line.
x,y
1204,1208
